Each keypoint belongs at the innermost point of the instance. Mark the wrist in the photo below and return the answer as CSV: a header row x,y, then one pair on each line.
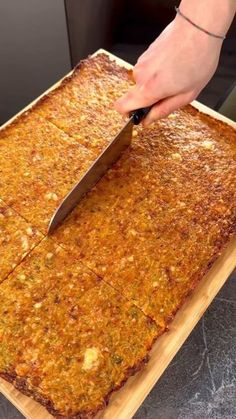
x,y
200,28
215,16
199,43
197,36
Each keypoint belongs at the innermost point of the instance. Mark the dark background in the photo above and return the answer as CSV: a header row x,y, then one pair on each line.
x,y
41,40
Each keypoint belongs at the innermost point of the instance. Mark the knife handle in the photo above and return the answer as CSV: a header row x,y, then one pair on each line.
x,y
139,114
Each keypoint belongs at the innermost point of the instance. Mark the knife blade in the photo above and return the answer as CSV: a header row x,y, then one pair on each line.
x,y
100,166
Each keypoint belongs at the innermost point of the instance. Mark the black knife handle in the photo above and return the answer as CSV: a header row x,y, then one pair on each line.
x,y
139,114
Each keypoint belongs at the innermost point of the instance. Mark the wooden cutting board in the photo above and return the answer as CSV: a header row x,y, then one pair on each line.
x,y
125,402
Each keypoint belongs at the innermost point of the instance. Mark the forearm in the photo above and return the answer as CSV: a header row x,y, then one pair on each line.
x,y
181,61
213,15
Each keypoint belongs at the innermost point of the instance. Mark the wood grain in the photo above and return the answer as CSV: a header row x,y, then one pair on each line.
x,y
126,401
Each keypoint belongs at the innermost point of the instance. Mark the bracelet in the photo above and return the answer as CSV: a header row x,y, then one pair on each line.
x,y
198,27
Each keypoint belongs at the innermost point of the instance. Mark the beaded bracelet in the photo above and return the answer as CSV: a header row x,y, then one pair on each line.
x,y
198,27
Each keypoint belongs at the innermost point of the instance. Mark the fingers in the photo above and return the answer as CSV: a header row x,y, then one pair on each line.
x,y
167,106
141,96
136,98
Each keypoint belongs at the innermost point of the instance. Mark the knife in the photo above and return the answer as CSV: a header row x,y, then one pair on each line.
x,y
99,167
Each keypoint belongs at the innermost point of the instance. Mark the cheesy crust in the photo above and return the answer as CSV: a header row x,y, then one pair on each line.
x,y
157,221
40,164
65,334
83,106
17,239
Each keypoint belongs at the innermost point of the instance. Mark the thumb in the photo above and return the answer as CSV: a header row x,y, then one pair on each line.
x,y
137,97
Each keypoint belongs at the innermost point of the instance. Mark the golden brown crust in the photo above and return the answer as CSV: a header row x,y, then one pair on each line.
x,y
170,219
17,239
68,346
38,160
21,385
83,105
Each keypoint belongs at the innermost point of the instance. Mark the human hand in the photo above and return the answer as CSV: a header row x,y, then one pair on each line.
x,y
172,71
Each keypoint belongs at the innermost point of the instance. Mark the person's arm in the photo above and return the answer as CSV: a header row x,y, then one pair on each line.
x,y
181,61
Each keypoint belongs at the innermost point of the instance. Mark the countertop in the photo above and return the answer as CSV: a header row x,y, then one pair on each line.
x,y
200,383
